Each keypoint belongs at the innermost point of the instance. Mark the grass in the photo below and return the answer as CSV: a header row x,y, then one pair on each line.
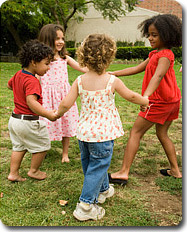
x,y
141,203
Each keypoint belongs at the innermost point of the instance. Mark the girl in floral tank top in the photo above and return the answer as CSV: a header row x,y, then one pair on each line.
x,y
99,122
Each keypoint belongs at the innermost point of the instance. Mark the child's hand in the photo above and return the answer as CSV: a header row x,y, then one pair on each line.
x,y
52,115
143,108
111,73
58,115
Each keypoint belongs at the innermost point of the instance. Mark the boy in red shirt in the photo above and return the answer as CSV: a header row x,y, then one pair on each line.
x,y
27,132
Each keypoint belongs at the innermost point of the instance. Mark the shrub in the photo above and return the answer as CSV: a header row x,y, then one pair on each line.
x,y
71,52
130,53
70,44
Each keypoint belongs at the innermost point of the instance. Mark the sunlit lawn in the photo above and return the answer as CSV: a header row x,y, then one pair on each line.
x,y
36,203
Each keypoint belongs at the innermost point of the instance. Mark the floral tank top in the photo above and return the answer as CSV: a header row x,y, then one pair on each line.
x,y
99,119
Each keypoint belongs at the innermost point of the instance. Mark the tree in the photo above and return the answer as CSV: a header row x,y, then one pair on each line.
x,y
64,10
21,18
24,18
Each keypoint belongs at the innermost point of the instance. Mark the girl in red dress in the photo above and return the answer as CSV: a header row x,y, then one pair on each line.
x,y
160,86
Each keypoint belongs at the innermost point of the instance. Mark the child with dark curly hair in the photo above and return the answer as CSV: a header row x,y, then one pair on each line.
x,y
160,86
27,132
99,122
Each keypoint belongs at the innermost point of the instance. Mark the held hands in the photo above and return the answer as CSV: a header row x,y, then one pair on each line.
x,y
143,108
52,115
58,114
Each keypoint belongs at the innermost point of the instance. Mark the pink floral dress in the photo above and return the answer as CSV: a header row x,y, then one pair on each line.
x,y
99,120
55,87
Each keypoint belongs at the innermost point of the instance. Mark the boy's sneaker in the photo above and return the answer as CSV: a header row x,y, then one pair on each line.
x,y
106,194
93,212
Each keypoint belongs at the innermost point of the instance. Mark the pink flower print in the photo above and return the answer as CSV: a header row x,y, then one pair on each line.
x,y
94,135
96,93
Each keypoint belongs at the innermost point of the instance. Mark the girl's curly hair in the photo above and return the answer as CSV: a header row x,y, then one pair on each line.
x,y
96,52
169,28
34,50
48,36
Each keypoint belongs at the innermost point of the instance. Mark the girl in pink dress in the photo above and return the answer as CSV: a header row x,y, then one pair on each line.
x,y
55,87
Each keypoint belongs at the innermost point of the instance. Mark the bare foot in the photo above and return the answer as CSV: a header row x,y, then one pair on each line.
x,y
176,175
38,175
16,178
65,159
119,175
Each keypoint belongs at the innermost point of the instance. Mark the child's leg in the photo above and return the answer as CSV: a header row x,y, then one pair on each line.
x,y
162,134
36,161
100,155
139,128
16,159
85,155
65,144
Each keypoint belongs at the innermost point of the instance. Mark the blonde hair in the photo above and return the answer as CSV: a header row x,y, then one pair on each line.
x,y
96,52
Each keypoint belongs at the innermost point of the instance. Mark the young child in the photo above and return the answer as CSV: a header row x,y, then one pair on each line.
x,y
27,132
55,87
99,122
159,84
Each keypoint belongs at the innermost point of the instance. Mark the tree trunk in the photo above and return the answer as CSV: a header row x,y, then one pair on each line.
x,y
15,35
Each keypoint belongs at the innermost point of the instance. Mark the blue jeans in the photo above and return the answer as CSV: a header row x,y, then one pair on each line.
x,y
95,158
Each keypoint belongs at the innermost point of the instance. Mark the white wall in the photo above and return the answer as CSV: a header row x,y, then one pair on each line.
x,y
123,30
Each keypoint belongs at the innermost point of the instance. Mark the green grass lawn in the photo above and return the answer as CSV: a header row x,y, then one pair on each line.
x,y
148,199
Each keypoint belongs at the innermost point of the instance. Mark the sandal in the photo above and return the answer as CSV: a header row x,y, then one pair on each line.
x,y
116,181
164,172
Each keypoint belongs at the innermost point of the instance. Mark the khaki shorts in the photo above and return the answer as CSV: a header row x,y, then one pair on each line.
x,y
29,135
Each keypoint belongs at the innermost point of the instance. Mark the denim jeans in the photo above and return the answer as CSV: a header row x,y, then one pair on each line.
x,y
95,158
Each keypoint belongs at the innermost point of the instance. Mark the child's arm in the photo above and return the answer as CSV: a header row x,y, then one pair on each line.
x,y
37,108
75,65
161,70
132,70
128,94
69,100
9,87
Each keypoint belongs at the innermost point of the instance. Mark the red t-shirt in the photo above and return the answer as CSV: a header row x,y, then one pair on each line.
x,y
167,91
23,84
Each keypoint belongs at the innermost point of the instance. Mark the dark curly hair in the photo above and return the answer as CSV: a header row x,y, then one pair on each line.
x,y
168,26
96,52
34,50
48,36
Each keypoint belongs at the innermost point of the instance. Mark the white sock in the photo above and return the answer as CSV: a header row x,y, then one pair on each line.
x,y
84,205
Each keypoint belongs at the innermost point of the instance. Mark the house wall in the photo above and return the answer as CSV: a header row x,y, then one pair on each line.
x,y
123,30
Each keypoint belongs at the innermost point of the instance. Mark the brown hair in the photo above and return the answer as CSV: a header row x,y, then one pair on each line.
x,y
96,52
48,36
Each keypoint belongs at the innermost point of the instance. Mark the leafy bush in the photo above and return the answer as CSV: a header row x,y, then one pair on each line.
x,y
137,52
71,52
70,44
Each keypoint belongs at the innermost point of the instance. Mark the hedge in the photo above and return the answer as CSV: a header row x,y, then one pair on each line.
x,y
130,53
